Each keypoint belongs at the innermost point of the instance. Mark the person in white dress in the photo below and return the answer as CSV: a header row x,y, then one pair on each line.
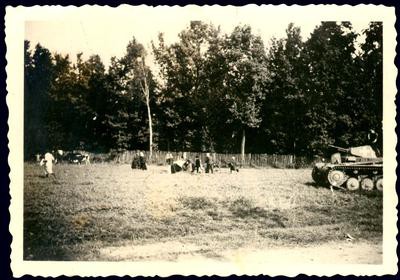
x,y
47,161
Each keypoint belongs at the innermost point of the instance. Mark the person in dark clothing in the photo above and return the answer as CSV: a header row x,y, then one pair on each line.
x,y
188,165
197,164
232,165
177,166
209,164
169,158
375,141
134,164
135,161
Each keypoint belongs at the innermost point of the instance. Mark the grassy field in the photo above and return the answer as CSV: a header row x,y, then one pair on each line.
x,y
93,212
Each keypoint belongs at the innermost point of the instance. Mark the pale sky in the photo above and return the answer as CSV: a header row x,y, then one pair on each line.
x,y
106,31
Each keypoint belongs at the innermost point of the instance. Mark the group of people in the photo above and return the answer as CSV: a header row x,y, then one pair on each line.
x,y
185,164
139,161
196,166
52,157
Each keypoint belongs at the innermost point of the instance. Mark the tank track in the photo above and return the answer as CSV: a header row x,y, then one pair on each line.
x,y
360,169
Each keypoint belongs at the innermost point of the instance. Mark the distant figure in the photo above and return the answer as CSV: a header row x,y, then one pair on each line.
x,y
197,164
86,159
336,158
372,136
47,162
375,141
188,165
142,161
169,158
232,165
209,164
59,156
135,161
177,166
54,154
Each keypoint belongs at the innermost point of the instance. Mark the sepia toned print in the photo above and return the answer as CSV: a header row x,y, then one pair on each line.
x,y
202,140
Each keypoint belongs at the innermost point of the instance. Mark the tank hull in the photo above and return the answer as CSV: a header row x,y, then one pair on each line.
x,y
368,174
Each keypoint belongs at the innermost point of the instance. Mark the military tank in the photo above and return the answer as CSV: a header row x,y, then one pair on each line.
x,y
351,168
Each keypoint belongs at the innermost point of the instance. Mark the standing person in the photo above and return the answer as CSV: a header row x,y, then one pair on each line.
x,y
142,161
197,164
60,156
209,163
135,161
169,158
47,161
232,165
87,159
374,141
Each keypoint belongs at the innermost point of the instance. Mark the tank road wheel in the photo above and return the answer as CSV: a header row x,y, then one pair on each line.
x,y
352,184
379,184
336,178
367,184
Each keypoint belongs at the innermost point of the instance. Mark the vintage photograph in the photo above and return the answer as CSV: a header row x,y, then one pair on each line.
x,y
231,136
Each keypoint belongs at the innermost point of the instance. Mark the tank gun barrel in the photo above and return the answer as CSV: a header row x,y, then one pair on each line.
x,y
340,149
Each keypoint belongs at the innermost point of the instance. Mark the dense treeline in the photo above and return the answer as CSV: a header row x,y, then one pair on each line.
x,y
211,92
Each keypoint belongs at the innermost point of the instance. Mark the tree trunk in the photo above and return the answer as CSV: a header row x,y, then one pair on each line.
x,y
146,92
150,126
243,144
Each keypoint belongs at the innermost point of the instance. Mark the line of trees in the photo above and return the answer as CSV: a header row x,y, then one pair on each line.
x,y
212,92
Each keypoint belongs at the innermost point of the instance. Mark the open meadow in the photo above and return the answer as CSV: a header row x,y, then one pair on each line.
x,y
110,212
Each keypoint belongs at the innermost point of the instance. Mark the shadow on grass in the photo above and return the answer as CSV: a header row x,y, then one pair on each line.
x,y
46,177
370,194
315,185
44,238
197,203
244,208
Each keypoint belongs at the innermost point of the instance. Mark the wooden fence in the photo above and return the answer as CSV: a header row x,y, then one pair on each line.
x,y
251,160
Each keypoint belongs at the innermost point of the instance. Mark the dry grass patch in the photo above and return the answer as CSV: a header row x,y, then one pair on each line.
x,y
89,208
